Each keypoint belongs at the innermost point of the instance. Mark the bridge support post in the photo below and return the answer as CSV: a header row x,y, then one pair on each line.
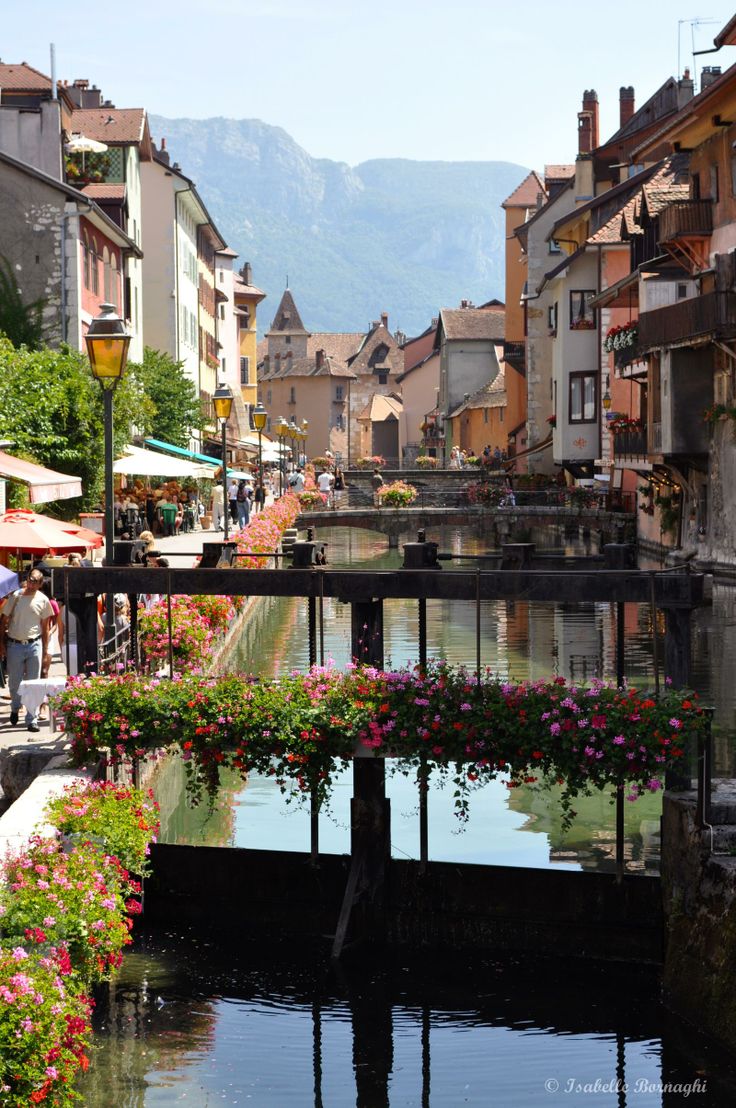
x,y
370,810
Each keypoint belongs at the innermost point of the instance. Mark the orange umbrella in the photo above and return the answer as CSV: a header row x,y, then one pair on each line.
x,y
37,534
91,538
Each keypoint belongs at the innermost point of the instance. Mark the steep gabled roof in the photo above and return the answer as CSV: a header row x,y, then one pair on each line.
x,y
472,324
114,126
525,195
341,345
287,319
22,77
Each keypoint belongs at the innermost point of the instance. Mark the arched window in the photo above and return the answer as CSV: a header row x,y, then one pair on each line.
x,y
94,262
106,275
86,260
114,282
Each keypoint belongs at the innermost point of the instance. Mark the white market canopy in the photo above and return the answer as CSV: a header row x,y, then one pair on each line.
x,y
137,462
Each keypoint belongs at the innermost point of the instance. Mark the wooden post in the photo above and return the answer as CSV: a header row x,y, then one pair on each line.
x,y
370,811
677,666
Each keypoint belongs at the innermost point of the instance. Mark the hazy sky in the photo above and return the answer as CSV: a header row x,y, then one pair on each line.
x,y
359,79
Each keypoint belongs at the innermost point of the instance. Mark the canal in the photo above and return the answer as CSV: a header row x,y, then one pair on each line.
x,y
202,1019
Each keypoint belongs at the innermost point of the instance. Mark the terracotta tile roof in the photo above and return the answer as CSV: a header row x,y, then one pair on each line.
x,y
336,344
380,408
669,183
558,172
473,323
248,290
111,125
611,231
287,318
228,252
23,78
104,192
525,195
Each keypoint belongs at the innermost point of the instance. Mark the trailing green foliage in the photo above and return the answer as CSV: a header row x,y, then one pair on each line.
x,y
21,323
176,409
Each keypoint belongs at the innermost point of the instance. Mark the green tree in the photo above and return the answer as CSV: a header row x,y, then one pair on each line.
x,y
51,408
22,323
174,398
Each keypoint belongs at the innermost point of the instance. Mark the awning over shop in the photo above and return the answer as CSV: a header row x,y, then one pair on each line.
x,y
180,452
148,463
44,484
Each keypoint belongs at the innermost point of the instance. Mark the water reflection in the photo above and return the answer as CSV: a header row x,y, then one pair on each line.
x,y
277,1027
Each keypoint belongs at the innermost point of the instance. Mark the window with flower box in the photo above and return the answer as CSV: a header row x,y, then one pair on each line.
x,y
582,315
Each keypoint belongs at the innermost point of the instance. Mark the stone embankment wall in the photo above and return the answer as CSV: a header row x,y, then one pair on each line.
x,y
699,903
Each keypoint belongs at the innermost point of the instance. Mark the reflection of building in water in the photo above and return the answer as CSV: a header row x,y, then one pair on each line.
x,y
584,636
591,840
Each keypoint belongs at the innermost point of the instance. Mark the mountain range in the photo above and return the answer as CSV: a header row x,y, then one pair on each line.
x,y
395,235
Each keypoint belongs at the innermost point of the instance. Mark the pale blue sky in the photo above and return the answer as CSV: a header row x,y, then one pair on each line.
x,y
359,79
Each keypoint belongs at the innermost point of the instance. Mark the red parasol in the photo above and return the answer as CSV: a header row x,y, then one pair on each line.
x,y
38,534
91,538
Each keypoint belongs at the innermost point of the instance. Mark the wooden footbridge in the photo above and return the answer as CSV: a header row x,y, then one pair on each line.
x,y
592,914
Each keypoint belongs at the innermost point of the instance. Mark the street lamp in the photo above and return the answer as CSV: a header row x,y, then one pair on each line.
x,y
305,427
260,415
281,429
222,400
107,348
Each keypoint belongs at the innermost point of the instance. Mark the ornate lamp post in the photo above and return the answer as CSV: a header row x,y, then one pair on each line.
x,y
281,429
260,415
107,348
305,427
222,400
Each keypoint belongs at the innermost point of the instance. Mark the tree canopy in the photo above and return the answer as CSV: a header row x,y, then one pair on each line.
x,y
51,409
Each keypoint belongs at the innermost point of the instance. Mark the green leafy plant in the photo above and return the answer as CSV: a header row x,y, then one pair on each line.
x,y
298,729
397,494
22,323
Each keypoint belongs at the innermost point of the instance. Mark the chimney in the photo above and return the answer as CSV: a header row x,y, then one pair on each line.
x,y
277,360
80,82
588,123
163,154
320,359
384,320
708,75
625,104
685,89
247,273
288,359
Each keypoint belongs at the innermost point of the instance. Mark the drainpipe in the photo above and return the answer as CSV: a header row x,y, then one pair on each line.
x,y
600,359
64,216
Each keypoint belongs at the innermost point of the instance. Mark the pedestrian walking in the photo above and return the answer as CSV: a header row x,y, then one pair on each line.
x,y
376,483
24,641
242,502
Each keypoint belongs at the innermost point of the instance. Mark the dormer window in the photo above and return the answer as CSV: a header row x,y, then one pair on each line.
x,y
379,355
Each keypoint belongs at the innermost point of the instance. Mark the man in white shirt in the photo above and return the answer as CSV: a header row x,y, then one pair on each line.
x,y
324,484
24,639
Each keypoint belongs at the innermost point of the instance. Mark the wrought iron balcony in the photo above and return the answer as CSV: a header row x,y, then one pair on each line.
x,y
712,315
685,218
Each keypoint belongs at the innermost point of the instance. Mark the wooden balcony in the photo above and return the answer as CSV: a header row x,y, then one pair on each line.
x,y
515,354
685,218
630,444
711,316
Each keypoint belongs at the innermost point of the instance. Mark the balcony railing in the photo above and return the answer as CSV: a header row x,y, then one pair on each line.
x,y
630,443
515,354
711,315
625,357
685,217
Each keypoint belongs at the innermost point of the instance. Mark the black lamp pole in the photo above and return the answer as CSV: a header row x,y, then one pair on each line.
x,y
107,348
260,415
222,400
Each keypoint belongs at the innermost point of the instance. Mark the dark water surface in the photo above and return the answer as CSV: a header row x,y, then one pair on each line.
x,y
194,1020
219,1020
